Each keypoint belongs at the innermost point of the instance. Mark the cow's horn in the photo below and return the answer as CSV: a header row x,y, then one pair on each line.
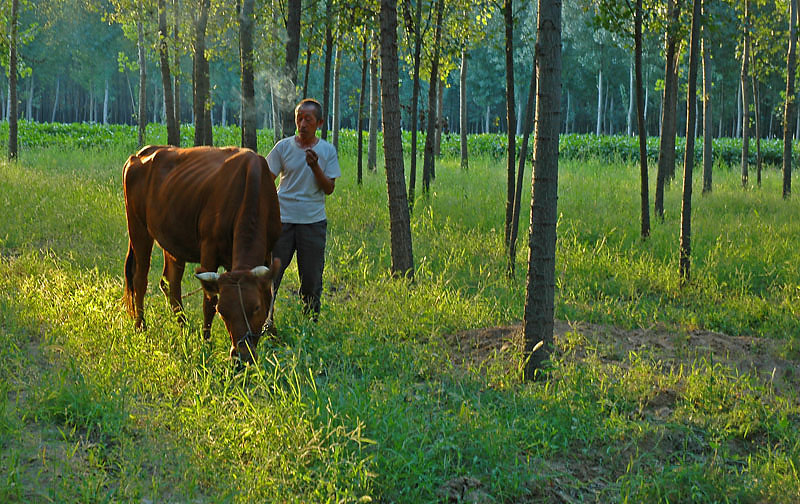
x,y
260,271
208,276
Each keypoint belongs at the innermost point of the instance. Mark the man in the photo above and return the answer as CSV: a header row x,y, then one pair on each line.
x,y
308,168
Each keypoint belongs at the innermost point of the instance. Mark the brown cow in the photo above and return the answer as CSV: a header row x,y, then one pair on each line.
x,y
217,207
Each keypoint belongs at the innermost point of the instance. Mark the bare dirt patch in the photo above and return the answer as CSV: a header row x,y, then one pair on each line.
x,y
481,348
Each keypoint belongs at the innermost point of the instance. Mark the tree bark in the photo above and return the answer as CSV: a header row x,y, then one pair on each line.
x,y
173,134
337,67
360,123
417,27
540,290
523,154
105,103
644,186
789,105
708,161
326,84
688,160
399,218
176,69
757,124
374,105
287,90
248,112
462,105
13,116
666,153
745,98
599,125
511,120
430,132
142,114
200,75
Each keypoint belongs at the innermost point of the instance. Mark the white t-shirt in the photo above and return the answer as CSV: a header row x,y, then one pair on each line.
x,y
301,199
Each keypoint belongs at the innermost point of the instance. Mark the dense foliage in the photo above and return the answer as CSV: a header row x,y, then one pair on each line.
x,y
611,148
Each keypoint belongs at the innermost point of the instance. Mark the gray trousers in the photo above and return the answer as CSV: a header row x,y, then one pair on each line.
x,y
308,242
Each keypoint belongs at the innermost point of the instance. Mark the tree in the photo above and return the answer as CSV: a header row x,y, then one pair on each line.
x,y
414,28
666,152
511,120
374,105
613,15
399,218
173,133
430,134
789,106
248,110
141,117
708,125
688,159
360,122
745,98
13,115
326,86
523,154
540,290
201,79
286,87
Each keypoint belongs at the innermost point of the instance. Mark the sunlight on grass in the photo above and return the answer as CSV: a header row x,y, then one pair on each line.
x,y
369,403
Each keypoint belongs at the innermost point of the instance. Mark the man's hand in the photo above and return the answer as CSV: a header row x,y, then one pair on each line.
x,y
311,157
325,183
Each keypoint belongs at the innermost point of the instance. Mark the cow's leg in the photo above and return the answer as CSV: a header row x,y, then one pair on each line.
x,y
171,285
209,310
137,266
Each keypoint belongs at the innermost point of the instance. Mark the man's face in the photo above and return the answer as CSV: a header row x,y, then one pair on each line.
x,y
307,121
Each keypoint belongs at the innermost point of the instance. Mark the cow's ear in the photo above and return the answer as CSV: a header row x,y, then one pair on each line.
x,y
210,282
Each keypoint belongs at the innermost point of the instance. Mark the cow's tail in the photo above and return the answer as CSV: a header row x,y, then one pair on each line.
x,y
130,270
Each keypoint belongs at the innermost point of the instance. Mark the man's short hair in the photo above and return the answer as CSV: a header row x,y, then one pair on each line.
x,y
306,102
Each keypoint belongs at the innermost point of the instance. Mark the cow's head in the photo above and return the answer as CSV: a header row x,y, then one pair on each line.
x,y
245,300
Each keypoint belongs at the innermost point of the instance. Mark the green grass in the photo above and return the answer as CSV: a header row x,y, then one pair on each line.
x,y
368,403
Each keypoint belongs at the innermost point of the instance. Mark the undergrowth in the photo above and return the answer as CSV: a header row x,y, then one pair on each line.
x,y
368,404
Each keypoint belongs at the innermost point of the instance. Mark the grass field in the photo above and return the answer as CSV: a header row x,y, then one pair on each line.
x,y
380,401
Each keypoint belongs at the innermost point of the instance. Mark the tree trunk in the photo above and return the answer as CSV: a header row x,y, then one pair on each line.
x,y
645,193
287,85
142,115
757,124
789,106
326,84
374,105
308,68
173,134
631,100
399,218
437,145
745,98
462,105
201,88
417,27
599,125
29,101
430,131
708,160
527,124
55,100
688,160
511,120
105,103
666,153
176,6
13,116
337,66
248,112
540,289
360,121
